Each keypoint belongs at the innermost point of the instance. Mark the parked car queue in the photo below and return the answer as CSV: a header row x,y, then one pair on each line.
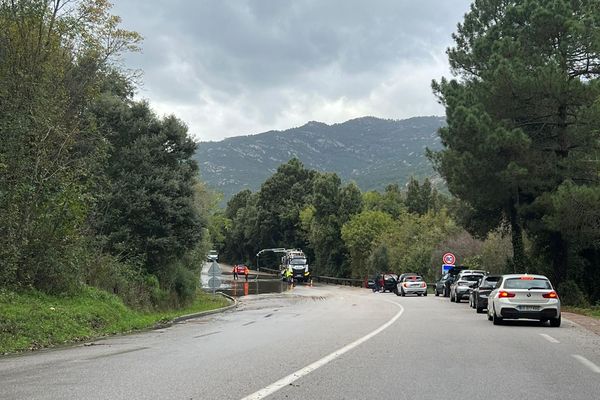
x,y
513,296
502,297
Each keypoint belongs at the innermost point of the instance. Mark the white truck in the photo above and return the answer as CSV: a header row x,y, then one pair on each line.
x,y
295,264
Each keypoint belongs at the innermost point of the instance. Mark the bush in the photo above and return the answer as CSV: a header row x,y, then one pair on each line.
x,y
571,295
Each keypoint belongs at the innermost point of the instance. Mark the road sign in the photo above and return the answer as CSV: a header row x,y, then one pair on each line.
x,y
214,269
214,283
449,259
446,268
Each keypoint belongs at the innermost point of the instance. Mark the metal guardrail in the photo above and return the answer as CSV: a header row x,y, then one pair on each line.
x,y
340,281
337,281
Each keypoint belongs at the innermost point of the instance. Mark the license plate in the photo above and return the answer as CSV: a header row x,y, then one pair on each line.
x,y
529,308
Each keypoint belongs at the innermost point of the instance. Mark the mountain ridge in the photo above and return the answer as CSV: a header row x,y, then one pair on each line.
x,y
371,151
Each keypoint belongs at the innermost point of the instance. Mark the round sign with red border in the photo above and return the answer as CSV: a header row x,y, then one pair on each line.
x,y
449,259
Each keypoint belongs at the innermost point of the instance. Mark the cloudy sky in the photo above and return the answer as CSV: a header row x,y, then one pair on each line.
x,y
237,67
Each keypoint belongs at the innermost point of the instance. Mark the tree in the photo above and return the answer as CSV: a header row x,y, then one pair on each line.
x,y
148,209
361,234
521,115
52,57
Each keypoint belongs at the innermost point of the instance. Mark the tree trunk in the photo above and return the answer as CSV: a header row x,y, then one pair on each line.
x,y
519,261
559,251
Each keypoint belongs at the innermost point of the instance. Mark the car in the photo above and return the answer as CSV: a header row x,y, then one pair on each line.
x,y
411,284
442,287
213,256
240,269
478,298
462,285
389,282
517,296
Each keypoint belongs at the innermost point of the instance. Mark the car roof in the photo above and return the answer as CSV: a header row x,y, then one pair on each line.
x,y
520,275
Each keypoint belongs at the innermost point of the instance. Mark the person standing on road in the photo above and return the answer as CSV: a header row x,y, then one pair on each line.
x,y
246,273
235,273
376,286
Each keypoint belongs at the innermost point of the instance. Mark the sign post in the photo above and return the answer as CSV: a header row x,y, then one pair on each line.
x,y
214,282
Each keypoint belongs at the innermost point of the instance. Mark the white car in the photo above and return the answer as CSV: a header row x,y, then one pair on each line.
x,y
524,296
411,284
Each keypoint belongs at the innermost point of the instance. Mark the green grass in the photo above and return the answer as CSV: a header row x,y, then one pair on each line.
x,y
34,320
589,311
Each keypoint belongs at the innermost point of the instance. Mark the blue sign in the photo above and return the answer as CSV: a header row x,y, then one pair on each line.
x,y
446,268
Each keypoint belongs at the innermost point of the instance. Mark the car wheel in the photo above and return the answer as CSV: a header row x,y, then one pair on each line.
x,y
489,316
402,293
555,322
436,292
496,319
397,292
425,294
457,298
479,310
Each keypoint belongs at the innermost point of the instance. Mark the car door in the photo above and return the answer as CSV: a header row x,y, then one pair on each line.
x,y
492,296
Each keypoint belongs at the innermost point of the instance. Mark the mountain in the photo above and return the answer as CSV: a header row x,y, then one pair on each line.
x,y
371,151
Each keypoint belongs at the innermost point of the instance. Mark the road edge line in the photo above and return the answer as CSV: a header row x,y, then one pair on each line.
x,y
294,376
549,338
593,367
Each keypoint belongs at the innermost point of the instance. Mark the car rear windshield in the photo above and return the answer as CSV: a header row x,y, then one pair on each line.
x,y
471,278
413,279
518,283
298,261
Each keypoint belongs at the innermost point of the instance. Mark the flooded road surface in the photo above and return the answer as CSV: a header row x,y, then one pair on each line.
x,y
256,284
260,286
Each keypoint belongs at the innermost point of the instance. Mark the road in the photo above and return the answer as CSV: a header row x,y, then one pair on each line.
x,y
357,345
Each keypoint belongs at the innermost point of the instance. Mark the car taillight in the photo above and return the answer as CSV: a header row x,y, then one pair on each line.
x,y
423,284
503,295
405,284
550,295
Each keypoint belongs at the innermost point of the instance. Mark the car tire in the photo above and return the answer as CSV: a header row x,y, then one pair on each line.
x,y
479,310
402,293
457,299
496,319
425,294
489,316
397,292
436,293
555,322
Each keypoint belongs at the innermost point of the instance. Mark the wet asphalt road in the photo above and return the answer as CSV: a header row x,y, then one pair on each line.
x,y
434,350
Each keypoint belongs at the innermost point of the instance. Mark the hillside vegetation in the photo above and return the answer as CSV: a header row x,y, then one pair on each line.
x,y
370,151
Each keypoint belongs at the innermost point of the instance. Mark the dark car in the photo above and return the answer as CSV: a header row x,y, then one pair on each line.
x,y
387,282
478,298
442,287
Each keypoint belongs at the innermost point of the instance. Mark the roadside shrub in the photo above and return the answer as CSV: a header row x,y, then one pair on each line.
x,y
571,295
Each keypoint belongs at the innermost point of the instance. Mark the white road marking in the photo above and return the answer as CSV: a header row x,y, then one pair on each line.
x,y
549,338
283,382
587,363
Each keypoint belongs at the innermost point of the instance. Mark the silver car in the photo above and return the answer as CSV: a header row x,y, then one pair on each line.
x,y
524,296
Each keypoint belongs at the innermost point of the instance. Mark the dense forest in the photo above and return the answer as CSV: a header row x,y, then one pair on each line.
x,y
95,189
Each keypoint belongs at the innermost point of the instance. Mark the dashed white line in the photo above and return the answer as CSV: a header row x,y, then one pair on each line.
x,y
549,338
587,363
283,382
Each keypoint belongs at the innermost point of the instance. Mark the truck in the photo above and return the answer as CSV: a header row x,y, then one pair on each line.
x,y
295,262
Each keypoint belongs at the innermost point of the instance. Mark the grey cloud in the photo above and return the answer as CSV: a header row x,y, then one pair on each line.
x,y
264,57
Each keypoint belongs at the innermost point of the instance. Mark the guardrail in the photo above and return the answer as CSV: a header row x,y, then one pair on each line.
x,y
337,281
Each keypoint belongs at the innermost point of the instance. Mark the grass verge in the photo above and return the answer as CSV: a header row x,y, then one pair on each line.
x,y
588,311
33,320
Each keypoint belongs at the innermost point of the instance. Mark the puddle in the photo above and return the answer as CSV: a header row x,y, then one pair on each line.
x,y
256,283
260,286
